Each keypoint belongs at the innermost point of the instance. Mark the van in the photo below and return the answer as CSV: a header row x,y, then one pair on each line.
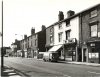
x,y
50,56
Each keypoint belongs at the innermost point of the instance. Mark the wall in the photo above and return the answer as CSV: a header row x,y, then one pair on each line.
x,y
48,35
74,27
85,24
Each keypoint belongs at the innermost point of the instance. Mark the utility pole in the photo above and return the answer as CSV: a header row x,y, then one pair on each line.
x,y
2,62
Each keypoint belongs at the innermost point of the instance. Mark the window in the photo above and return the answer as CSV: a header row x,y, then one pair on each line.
x,y
51,39
35,42
93,30
93,13
60,26
67,34
31,43
92,50
68,23
51,30
35,36
60,37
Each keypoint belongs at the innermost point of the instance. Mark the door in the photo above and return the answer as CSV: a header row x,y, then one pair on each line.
x,y
84,54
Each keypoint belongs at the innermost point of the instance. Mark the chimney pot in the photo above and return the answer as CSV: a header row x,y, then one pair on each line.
x,y
60,16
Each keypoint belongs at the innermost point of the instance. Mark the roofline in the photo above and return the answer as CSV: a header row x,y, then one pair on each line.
x,y
74,15
33,34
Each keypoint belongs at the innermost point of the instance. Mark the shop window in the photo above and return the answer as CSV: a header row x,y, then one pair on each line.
x,y
93,13
60,36
35,54
93,29
92,50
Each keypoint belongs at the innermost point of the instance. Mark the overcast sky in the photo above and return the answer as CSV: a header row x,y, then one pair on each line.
x,y
21,15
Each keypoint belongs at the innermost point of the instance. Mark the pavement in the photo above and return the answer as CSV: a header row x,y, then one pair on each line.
x,y
11,72
79,63
7,71
85,63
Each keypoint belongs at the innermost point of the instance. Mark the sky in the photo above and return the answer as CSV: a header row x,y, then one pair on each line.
x,y
21,15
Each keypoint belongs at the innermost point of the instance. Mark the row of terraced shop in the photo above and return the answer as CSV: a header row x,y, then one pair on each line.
x,y
75,38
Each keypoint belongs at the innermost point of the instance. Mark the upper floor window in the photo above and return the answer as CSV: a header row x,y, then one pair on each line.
x,y
60,26
35,36
35,42
93,29
68,34
51,39
31,43
51,30
93,13
60,37
68,23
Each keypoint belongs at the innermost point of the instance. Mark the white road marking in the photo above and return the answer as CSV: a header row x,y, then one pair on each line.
x,y
66,76
93,72
8,70
11,73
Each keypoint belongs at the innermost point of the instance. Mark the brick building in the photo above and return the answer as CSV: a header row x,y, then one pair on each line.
x,y
78,35
33,44
15,46
90,34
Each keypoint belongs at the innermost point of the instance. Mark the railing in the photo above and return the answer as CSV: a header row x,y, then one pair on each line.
x,y
71,40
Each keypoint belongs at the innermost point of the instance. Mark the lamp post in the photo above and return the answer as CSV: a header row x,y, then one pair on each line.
x,y
2,62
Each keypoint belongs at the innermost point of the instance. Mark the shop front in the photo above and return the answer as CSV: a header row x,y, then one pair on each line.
x,y
94,52
70,50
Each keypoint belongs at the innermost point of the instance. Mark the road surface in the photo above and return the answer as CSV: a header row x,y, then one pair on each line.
x,y
37,68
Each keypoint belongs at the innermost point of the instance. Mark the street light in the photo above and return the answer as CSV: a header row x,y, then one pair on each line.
x,y
20,35
2,40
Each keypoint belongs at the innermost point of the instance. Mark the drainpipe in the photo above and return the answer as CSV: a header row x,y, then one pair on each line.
x,y
81,35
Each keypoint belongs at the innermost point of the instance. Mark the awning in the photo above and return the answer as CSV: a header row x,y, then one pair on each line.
x,y
55,48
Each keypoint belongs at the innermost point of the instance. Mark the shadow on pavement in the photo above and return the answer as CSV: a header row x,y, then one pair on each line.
x,y
9,71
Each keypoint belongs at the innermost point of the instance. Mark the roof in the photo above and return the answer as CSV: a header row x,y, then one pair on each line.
x,y
74,15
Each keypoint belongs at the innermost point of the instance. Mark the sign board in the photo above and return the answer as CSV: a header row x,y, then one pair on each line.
x,y
93,55
98,34
72,40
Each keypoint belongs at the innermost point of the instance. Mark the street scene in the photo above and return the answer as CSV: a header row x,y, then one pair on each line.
x,y
50,38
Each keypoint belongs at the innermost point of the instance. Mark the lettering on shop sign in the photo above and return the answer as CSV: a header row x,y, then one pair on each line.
x,y
92,44
93,55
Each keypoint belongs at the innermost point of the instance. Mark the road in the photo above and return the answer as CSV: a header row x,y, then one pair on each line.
x,y
37,68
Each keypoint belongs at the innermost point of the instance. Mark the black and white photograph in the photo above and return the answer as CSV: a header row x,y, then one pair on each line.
x,y
50,38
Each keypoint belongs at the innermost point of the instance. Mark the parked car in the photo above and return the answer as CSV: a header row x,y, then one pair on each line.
x,y
50,56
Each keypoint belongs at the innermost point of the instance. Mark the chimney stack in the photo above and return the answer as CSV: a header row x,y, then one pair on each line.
x,y
16,40
70,13
43,27
32,31
60,16
25,36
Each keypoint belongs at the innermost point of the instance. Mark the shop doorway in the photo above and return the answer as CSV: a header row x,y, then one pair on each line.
x,y
84,54
79,55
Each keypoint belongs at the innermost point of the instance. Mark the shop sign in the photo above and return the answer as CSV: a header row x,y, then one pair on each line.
x,y
92,44
98,34
93,55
